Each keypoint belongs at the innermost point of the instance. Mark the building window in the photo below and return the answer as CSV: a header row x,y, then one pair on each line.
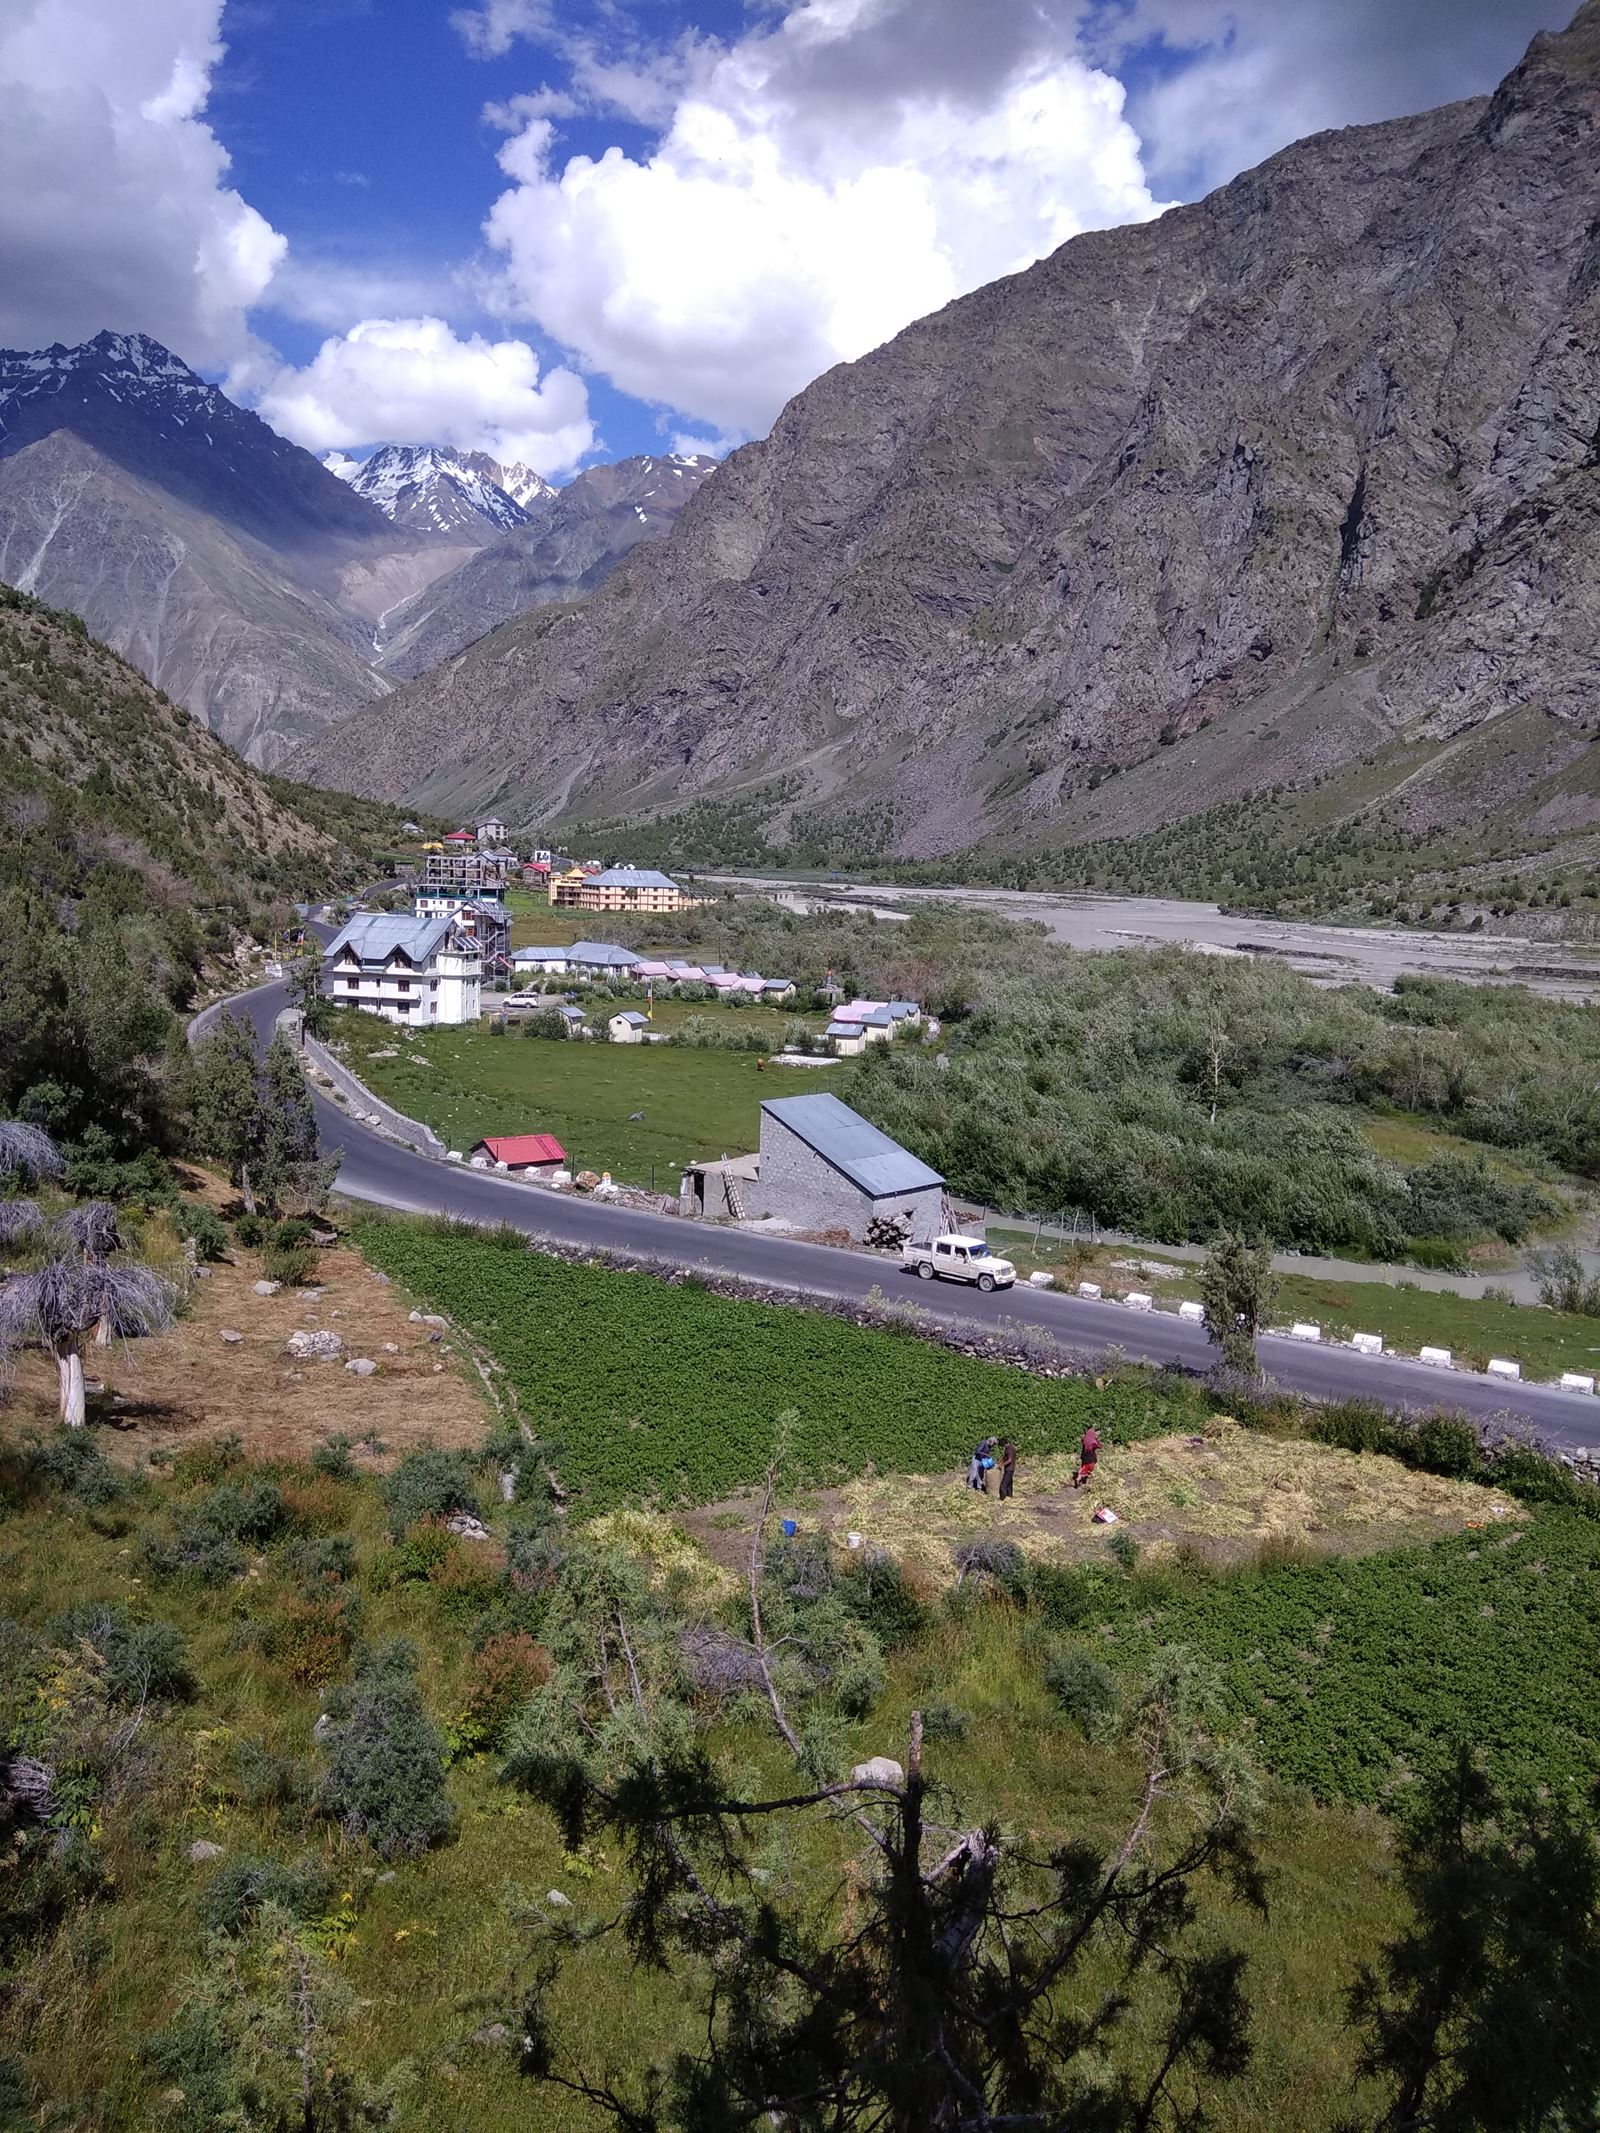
x,y
352,984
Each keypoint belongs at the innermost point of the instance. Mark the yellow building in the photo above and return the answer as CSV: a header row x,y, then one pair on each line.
x,y
631,889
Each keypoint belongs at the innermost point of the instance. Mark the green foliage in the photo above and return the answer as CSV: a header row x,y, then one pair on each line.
x,y
428,1484
385,1780
70,1460
241,1887
1348,1671
1237,1286
205,1229
293,1265
1084,1688
141,1662
680,1398
207,1540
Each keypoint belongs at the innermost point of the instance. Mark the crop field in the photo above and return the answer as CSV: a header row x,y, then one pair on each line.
x,y
655,1389
1348,1673
694,1106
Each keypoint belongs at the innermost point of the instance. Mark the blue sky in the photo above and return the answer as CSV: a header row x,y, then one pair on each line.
x,y
563,229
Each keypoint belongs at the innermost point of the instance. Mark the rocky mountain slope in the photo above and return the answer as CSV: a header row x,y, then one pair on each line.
x,y
565,545
436,490
1250,494
234,569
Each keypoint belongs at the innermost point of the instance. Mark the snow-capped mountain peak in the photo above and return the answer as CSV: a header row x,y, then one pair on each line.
x,y
437,489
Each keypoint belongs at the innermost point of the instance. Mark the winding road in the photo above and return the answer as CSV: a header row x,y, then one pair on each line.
x,y
377,1170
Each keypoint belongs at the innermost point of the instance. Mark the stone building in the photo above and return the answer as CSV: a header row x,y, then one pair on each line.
x,y
824,1166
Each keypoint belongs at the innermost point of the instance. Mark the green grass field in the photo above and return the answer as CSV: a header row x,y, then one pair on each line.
x,y
465,1083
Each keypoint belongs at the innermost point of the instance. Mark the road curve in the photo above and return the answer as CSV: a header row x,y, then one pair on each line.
x,y
374,1169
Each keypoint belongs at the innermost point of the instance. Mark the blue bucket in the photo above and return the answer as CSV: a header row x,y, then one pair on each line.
x,y
789,1529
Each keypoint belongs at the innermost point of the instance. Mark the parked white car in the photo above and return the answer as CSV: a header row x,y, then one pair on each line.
x,y
959,1259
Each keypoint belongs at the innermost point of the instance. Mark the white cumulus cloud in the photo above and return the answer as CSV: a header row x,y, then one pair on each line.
x,y
415,381
115,210
814,188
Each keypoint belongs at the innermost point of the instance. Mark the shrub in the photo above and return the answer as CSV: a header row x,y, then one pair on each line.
x,y
249,1230
193,1552
144,1662
204,1228
1125,1548
1002,1562
858,1685
71,1461
293,1265
1564,1282
291,1233
240,1887
428,1484
943,1720
311,1563
332,1457
1442,1444
253,1512
385,1781
876,1590
1067,1595
1085,1691
505,1670
314,1503
312,1635
416,1557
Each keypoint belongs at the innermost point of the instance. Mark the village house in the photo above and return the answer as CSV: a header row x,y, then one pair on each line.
x,y
410,970
525,1155
492,833
823,1166
540,962
628,1027
601,959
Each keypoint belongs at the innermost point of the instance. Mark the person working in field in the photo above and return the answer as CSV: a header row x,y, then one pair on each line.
x,y
1088,1456
1008,1468
982,1460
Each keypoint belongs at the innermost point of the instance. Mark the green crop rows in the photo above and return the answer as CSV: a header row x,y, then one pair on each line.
x,y
1350,1671
654,1390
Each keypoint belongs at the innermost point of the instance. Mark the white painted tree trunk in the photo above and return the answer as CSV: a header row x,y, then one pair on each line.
x,y
246,1194
72,1407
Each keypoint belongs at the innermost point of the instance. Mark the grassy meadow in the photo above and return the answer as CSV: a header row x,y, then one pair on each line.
x,y
465,1083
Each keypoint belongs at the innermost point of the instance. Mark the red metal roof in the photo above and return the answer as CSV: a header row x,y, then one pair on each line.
x,y
459,837
525,1148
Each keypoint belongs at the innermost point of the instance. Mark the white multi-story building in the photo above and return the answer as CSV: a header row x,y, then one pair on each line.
x,y
417,971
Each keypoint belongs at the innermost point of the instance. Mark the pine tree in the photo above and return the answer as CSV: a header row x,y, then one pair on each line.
x,y
225,1099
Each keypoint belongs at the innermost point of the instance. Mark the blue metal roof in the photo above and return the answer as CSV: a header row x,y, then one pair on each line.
x,y
852,1144
631,878
631,1014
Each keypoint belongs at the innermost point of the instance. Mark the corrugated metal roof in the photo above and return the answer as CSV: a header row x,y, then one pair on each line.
x,y
852,1144
632,878
375,935
631,1014
601,952
525,1148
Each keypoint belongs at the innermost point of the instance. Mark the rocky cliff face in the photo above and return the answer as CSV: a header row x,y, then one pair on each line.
x,y
1272,481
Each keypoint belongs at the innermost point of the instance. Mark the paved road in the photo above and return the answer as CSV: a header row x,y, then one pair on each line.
x,y
376,1170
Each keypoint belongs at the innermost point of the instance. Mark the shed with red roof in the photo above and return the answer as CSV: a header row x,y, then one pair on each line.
x,y
526,1155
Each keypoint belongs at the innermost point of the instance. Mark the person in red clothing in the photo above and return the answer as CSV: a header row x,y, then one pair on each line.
x,y
1089,1455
